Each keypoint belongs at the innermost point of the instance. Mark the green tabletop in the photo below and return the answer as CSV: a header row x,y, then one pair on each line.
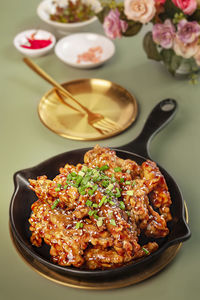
x,y
25,142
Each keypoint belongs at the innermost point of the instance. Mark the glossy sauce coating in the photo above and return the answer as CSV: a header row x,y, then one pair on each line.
x,y
93,214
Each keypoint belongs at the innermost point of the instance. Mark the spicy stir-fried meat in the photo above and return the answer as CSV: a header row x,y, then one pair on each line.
x,y
93,214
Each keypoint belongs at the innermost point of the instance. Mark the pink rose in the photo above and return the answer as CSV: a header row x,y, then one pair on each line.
x,y
186,40
188,32
141,11
187,6
163,34
113,26
185,50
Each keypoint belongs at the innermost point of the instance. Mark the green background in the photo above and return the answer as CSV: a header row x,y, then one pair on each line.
x,y
25,142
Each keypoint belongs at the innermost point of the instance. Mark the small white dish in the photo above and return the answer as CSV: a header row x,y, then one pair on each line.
x,y
70,48
47,7
22,39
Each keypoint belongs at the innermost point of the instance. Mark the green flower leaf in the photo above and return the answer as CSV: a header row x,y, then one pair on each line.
x,y
103,13
171,60
151,48
133,28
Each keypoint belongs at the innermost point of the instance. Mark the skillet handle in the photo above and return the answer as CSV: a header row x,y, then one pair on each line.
x,y
162,113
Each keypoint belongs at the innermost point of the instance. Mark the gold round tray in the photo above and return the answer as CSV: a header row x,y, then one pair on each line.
x,y
100,96
139,275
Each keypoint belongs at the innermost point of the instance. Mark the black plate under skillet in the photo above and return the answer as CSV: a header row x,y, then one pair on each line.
x,y
138,150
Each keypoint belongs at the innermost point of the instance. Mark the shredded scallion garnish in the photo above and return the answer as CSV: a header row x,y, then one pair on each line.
x,y
145,250
117,169
130,193
122,205
79,225
55,203
112,222
100,221
104,168
88,203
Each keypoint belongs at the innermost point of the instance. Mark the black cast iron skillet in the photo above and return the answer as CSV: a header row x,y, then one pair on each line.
x,y
138,150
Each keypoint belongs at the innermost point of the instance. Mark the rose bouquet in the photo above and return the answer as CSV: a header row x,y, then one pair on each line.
x,y
175,35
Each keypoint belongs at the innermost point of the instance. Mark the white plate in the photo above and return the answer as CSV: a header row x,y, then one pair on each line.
x,y
47,7
21,38
68,48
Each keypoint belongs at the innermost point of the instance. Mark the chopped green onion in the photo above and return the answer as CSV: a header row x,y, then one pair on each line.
x,y
79,179
117,169
96,216
104,198
95,205
127,182
128,213
112,202
118,194
105,183
65,186
79,225
69,177
90,192
105,177
133,183
73,174
100,221
80,173
112,222
84,169
55,203
85,180
108,192
89,184
94,188
88,203
104,168
113,179
130,193
91,212
122,205
110,186
81,191
122,179
96,178
95,172
57,189
74,184
145,250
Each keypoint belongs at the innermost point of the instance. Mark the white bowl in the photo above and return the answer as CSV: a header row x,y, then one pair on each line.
x,y
47,7
68,48
21,39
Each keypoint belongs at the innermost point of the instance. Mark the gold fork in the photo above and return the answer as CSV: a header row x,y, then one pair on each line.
x,y
96,120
